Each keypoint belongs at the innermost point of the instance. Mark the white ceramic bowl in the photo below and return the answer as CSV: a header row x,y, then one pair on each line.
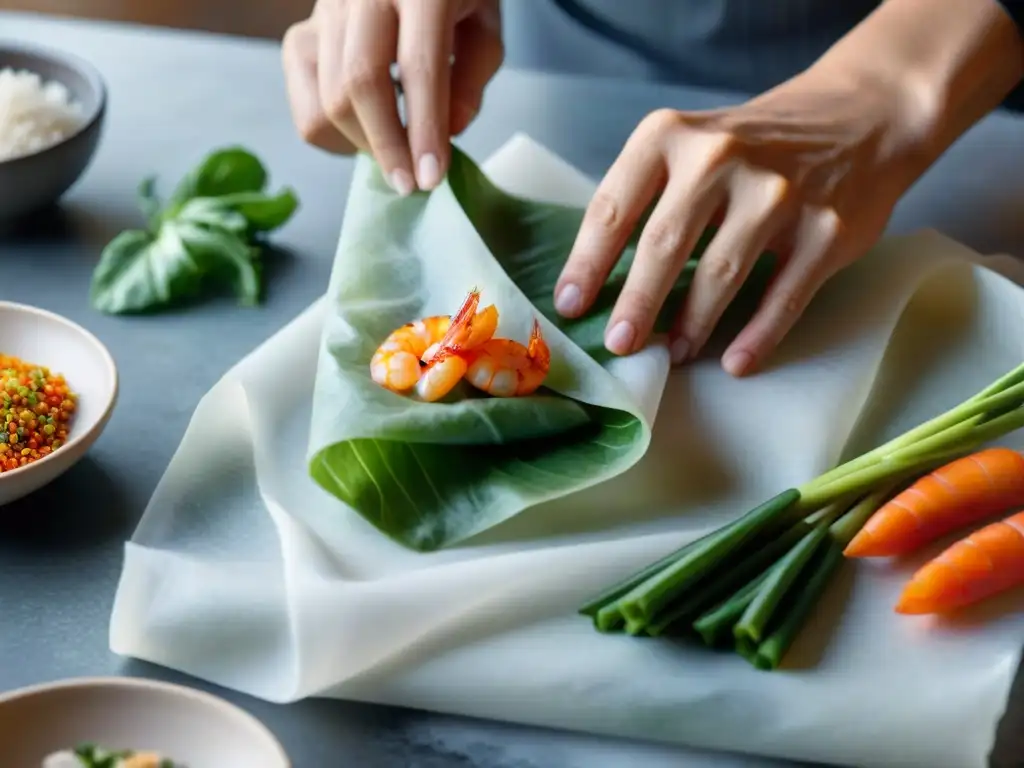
x,y
30,182
191,727
43,338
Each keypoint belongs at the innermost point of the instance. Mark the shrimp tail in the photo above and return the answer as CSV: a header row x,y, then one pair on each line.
x,y
538,349
465,314
467,330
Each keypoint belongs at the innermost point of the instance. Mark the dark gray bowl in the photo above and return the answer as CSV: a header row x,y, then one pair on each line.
x,y
32,182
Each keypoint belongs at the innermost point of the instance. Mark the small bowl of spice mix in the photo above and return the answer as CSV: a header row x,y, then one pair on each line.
x,y
36,408
58,386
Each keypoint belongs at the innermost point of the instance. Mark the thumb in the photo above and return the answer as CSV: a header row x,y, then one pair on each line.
x,y
478,54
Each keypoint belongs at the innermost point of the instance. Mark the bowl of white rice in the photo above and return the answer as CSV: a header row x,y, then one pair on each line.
x,y
52,106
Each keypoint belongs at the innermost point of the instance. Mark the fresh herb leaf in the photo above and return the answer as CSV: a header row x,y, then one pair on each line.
x,y
205,237
263,212
211,212
138,271
148,200
91,756
224,172
220,253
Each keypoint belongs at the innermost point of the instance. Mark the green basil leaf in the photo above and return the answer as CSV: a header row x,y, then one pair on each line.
x,y
263,212
91,756
138,272
224,172
224,256
86,754
204,235
211,212
149,202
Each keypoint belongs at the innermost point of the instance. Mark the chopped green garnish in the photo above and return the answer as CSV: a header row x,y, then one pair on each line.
x,y
91,756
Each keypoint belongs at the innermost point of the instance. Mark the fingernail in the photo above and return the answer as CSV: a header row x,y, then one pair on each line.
x,y
737,363
401,182
569,300
428,172
679,350
620,339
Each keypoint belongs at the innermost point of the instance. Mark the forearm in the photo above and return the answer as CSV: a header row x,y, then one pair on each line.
x,y
950,62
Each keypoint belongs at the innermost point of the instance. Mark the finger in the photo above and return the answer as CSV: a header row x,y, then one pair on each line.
x,y
298,55
424,50
817,255
668,239
370,44
611,216
331,76
755,213
478,56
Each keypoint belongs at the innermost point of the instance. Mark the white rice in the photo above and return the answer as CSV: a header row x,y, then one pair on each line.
x,y
34,114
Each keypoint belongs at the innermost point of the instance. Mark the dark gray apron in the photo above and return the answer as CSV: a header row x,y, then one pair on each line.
x,y
738,45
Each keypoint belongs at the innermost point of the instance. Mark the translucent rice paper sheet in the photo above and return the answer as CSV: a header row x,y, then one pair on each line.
x,y
245,573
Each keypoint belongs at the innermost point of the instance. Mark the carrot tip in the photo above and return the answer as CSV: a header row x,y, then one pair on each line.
x,y
865,544
909,606
861,546
926,592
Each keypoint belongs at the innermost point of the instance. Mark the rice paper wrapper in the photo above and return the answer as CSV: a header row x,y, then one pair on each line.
x,y
246,573
432,474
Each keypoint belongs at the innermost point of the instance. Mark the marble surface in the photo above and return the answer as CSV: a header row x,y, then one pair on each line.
x,y
176,95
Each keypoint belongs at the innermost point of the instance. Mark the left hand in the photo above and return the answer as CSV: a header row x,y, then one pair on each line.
x,y
810,170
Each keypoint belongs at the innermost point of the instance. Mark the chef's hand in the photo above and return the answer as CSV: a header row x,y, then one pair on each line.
x,y
337,69
810,170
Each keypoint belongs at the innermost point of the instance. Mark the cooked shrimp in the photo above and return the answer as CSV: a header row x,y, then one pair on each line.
x,y
441,375
396,363
423,355
505,368
467,330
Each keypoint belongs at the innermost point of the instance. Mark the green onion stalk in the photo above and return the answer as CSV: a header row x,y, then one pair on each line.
x,y
752,583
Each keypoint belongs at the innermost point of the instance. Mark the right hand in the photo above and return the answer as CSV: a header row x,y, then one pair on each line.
x,y
337,69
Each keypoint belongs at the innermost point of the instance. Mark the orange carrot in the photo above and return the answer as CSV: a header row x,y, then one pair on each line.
x,y
988,561
959,494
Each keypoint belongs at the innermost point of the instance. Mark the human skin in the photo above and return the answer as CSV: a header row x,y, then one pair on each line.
x,y
810,170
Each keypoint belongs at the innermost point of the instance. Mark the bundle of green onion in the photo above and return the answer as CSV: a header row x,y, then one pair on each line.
x,y
752,584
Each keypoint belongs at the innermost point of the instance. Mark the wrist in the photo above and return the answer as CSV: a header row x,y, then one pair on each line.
x,y
942,69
